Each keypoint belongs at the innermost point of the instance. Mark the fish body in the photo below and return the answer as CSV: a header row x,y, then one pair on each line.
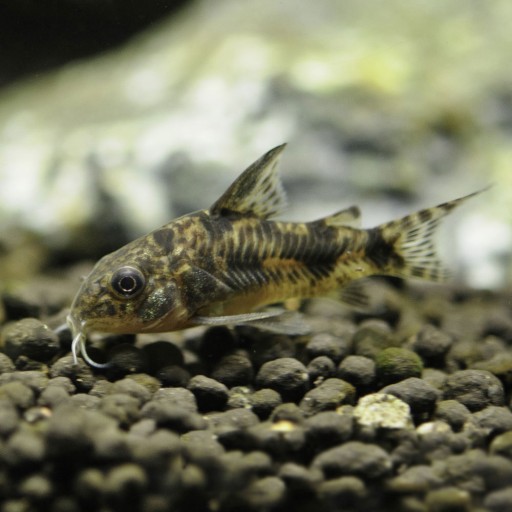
x,y
224,264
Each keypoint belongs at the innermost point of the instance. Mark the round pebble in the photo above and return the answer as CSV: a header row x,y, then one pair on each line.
x,y
358,370
447,499
354,458
325,344
264,401
453,412
420,396
234,370
499,501
476,389
31,338
343,493
210,394
329,395
432,344
321,368
287,376
395,364
327,429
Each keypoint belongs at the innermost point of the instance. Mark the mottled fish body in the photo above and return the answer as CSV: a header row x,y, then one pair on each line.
x,y
222,265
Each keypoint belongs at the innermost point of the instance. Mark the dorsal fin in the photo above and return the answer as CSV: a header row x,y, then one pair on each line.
x,y
257,192
350,217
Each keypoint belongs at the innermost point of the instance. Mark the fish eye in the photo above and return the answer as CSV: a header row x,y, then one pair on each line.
x,y
127,282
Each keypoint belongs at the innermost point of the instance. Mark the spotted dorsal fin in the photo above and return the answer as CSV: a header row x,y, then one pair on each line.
x,y
257,192
349,217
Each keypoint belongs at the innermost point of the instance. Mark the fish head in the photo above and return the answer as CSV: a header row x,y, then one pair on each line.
x,y
129,291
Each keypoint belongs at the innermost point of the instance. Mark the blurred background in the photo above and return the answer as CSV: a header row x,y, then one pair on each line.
x,y
117,116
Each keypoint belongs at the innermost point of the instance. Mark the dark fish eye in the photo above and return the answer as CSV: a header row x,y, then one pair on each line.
x,y
127,282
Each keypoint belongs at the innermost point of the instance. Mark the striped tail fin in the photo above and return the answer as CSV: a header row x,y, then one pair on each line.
x,y
405,247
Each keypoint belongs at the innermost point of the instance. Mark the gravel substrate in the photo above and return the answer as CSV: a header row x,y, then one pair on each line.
x,y
404,408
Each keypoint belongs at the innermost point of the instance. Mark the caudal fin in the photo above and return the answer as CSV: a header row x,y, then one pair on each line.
x,y
410,243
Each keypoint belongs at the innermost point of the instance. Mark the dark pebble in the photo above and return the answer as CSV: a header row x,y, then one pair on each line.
x,y
64,383
36,488
132,388
234,419
343,493
327,429
264,401
202,447
143,428
436,378
263,494
320,368
233,370
17,393
325,344
287,376
476,389
282,439
89,487
31,338
240,468
124,486
210,394
287,412
395,364
172,416
9,417
358,370
436,440
124,359
71,431
418,394
179,397
160,354
432,344
25,449
156,452
448,499
53,396
173,376
84,401
215,343
299,479
370,340
123,408
265,347
494,419
502,445
147,381
354,458
453,412
415,479
495,471
35,380
112,446
80,374
6,364
499,501
328,396
101,388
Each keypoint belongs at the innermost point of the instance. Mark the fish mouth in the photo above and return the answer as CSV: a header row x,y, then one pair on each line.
x,y
78,346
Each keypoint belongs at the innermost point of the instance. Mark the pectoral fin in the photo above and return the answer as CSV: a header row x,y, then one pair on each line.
x,y
238,319
273,320
200,287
